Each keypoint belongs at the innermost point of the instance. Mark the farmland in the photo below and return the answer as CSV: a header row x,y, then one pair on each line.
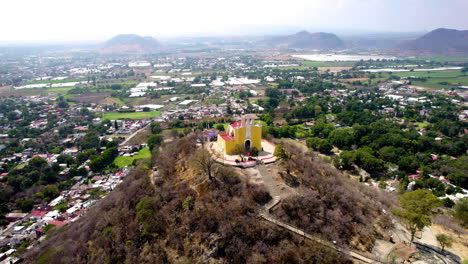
x,y
443,59
315,64
433,79
132,115
56,81
429,74
38,91
328,63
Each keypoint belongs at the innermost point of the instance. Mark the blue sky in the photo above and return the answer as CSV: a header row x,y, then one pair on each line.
x,y
58,20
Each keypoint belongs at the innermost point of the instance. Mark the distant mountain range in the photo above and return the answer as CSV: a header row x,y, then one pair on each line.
x,y
130,43
437,42
441,41
306,40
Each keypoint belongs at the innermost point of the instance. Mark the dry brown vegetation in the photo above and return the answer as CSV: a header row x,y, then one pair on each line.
x,y
443,224
332,205
140,136
183,218
96,98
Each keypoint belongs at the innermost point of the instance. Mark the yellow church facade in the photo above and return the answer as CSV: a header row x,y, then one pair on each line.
x,y
245,134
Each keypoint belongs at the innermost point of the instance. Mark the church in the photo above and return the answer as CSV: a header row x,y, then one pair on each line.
x,y
244,134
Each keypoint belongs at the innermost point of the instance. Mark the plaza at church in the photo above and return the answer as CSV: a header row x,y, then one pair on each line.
x,y
242,144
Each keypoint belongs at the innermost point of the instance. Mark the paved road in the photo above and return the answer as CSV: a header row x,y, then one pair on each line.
x,y
132,135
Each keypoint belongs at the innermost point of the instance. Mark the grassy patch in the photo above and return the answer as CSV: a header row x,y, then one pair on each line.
x,y
41,91
429,74
455,59
134,115
421,125
435,79
117,101
128,161
437,83
294,68
70,96
315,64
57,81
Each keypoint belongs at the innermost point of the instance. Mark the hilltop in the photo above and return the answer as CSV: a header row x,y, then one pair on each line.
x,y
182,216
130,43
307,40
438,42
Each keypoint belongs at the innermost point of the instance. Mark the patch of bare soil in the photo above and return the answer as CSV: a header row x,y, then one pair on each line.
x,y
140,137
460,241
96,98
403,251
354,80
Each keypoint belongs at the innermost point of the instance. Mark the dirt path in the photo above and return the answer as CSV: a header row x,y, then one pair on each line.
x,y
279,190
361,256
275,185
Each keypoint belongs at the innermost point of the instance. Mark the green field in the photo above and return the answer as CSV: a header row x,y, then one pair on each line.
x,y
429,74
432,83
421,125
117,101
43,91
134,115
128,161
294,68
70,96
443,58
437,82
328,63
434,79
57,81
315,64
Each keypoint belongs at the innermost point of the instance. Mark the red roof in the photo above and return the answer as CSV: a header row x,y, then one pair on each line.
x,y
40,214
226,137
236,124
57,223
414,176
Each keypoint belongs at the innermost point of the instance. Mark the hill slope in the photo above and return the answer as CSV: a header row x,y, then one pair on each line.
x,y
304,39
130,43
187,218
438,42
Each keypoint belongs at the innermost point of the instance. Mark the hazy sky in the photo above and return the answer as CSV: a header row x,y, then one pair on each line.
x,y
100,19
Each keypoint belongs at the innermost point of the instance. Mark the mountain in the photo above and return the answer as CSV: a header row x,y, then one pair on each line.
x,y
130,43
306,40
441,41
379,40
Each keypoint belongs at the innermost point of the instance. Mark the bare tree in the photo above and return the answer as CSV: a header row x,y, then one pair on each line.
x,y
204,162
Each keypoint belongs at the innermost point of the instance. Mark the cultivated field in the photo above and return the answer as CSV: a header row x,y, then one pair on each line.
x,y
96,98
434,79
134,115
8,91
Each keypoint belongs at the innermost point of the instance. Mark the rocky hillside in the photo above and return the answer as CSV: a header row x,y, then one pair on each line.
x,y
306,40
